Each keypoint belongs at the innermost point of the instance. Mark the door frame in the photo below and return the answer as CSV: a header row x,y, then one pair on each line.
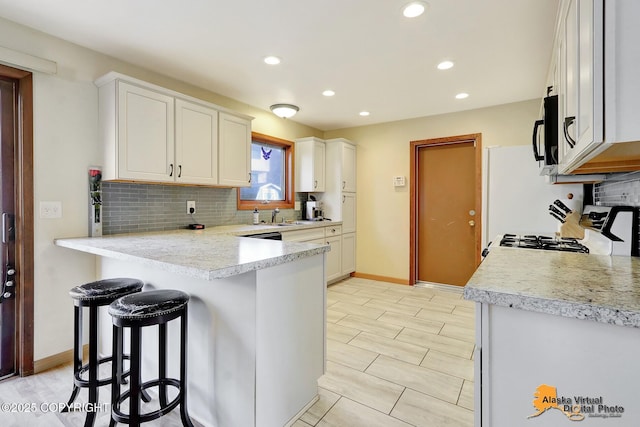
x,y
24,218
476,138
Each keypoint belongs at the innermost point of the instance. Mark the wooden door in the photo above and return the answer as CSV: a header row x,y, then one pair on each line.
x,y
8,102
447,210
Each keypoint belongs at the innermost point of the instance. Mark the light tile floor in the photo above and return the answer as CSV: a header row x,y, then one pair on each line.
x,y
396,356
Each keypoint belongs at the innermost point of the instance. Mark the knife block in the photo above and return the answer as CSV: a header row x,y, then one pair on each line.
x,y
571,227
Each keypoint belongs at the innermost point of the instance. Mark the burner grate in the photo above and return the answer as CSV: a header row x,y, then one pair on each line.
x,y
548,243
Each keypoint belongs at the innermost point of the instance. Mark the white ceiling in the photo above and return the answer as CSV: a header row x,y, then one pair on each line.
x,y
365,50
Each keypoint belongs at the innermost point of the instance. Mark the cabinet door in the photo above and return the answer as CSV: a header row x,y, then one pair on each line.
x,y
310,165
348,212
318,166
334,258
570,80
234,153
196,143
582,121
348,168
145,134
348,253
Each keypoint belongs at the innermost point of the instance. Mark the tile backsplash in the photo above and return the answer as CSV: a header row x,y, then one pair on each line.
x,y
621,189
130,208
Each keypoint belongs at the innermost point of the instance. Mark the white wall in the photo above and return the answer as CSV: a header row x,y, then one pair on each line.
x,y
384,152
65,145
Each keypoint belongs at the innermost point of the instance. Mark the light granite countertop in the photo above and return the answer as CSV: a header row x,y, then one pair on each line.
x,y
582,286
208,254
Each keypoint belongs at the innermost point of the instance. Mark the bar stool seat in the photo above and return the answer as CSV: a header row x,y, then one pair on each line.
x,y
93,295
136,311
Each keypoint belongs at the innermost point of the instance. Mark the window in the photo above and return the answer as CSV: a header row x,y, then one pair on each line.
x,y
271,174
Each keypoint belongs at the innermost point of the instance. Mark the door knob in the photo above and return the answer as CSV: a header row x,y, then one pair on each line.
x,y
472,223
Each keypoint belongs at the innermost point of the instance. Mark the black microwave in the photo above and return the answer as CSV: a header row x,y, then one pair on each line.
x,y
550,136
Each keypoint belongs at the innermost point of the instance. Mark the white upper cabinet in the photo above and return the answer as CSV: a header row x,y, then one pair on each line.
x,y
196,143
348,167
581,118
235,151
599,94
152,134
138,128
310,165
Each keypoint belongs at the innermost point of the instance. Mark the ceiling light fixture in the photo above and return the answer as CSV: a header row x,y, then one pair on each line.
x,y
462,95
445,65
284,110
328,92
271,60
414,9
364,113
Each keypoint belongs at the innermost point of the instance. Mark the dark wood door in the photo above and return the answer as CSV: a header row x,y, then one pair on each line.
x,y
8,126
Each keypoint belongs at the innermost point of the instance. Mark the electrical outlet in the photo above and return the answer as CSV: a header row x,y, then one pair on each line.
x,y
50,209
191,206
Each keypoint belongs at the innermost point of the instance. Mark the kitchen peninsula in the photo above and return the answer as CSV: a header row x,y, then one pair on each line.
x,y
256,317
557,336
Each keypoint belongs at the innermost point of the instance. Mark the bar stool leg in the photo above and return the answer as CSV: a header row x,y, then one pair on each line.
x,y
77,353
93,365
116,369
135,377
184,414
162,365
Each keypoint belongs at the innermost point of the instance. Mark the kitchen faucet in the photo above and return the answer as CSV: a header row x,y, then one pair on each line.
x,y
273,215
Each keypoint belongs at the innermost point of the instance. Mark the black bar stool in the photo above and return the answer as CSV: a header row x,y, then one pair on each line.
x,y
135,312
93,295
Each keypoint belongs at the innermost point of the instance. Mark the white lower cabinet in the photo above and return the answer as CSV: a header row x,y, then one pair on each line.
x,y
334,258
341,259
348,253
311,235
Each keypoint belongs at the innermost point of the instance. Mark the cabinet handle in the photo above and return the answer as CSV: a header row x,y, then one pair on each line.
x,y
171,170
568,121
536,125
249,177
315,184
344,198
344,184
179,171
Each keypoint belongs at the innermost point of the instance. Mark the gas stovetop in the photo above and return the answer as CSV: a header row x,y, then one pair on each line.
x,y
543,242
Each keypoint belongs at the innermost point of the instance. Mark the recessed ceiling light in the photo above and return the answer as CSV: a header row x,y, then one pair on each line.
x,y
414,9
272,60
364,113
445,65
462,95
328,92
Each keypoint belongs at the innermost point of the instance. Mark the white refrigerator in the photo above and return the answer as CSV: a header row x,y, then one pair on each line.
x,y
516,198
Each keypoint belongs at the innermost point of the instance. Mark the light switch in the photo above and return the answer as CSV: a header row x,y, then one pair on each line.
x,y
50,209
